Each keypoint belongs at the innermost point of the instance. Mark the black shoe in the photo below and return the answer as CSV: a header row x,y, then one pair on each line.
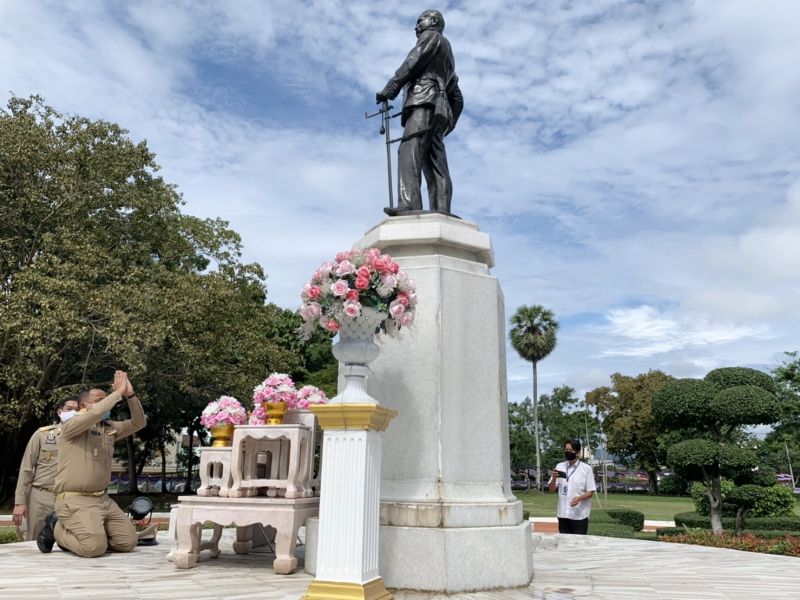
x,y
46,539
399,212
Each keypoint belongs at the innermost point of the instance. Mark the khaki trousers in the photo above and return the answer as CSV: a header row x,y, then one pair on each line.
x,y
90,525
40,504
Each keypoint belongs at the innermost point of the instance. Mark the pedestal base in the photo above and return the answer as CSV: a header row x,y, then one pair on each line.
x,y
337,590
452,559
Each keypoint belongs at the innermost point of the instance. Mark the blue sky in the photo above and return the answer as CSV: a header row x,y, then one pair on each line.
x,y
637,164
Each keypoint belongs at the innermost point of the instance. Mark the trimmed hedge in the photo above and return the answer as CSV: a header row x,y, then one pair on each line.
x,y
8,535
617,530
768,534
632,518
693,520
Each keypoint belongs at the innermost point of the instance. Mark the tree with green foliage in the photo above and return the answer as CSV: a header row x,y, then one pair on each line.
x,y
562,417
520,433
717,406
626,408
100,269
780,449
533,336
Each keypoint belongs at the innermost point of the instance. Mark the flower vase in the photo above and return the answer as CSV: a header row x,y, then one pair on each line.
x,y
275,412
356,348
222,435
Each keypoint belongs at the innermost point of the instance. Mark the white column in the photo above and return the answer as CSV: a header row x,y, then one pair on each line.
x,y
347,549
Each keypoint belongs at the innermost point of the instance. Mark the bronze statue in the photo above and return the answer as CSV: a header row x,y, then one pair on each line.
x,y
432,105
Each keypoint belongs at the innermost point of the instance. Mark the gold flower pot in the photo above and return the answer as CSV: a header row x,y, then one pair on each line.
x,y
275,412
222,435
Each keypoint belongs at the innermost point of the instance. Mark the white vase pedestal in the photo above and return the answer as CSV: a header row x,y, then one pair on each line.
x,y
346,550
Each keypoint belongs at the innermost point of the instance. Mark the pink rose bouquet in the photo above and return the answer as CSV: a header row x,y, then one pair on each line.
x,y
278,387
340,288
225,410
308,395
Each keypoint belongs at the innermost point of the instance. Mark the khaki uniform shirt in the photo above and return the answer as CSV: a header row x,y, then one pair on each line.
x,y
86,445
38,467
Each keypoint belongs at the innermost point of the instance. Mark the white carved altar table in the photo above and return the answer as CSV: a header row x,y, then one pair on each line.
x,y
284,514
284,452
215,471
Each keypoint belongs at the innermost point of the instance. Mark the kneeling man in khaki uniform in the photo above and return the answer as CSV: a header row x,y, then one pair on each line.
x,y
86,521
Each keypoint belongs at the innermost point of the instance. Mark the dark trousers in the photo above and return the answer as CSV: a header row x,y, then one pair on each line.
x,y
423,152
573,526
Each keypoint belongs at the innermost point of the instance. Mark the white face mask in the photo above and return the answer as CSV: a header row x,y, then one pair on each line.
x,y
67,415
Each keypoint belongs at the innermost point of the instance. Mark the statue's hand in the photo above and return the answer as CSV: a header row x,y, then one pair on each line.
x,y
381,97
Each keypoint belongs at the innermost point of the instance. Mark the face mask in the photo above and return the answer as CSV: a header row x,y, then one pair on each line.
x,y
67,415
570,455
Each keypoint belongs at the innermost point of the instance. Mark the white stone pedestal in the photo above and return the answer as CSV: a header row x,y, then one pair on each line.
x,y
449,520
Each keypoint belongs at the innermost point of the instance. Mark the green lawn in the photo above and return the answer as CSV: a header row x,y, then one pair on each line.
x,y
657,508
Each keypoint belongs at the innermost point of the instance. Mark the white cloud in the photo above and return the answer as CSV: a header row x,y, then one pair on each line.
x,y
621,154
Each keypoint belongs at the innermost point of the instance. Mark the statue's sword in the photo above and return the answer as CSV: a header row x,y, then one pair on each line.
x,y
384,130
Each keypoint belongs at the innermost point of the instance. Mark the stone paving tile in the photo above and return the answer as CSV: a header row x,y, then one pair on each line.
x,y
598,568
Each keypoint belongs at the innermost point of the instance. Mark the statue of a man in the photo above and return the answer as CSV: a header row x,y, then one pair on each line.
x,y
432,105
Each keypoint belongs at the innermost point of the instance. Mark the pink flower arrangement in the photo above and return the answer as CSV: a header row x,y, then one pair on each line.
x,y
223,411
308,395
341,288
278,387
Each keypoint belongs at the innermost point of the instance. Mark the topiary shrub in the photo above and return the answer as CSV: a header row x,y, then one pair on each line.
x,y
744,498
700,499
690,457
632,518
729,377
777,501
673,485
745,405
683,401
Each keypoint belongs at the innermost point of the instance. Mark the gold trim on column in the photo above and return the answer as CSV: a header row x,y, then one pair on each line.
x,y
371,417
339,590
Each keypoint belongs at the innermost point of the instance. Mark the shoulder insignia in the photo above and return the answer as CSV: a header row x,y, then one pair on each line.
x,y
48,428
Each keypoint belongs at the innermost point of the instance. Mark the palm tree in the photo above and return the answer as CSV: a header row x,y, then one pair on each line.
x,y
533,336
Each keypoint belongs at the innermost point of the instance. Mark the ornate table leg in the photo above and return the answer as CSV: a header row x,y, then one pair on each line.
x,y
236,466
285,560
294,462
244,539
188,534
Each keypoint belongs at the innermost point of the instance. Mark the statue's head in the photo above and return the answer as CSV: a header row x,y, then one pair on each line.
x,y
430,19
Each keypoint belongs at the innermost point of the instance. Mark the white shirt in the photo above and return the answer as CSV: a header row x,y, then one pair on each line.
x,y
579,480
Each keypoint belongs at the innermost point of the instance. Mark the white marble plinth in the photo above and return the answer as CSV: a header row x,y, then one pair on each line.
x,y
447,559
445,470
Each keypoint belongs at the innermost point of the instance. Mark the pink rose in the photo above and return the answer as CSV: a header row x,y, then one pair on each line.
x,y
402,298
364,272
396,309
406,319
339,288
380,264
362,283
352,295
352,309
395,268
313,310
389,281
345,268
333,326
314,292
304,291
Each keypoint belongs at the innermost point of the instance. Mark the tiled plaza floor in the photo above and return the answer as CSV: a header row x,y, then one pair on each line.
x,y
566,567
